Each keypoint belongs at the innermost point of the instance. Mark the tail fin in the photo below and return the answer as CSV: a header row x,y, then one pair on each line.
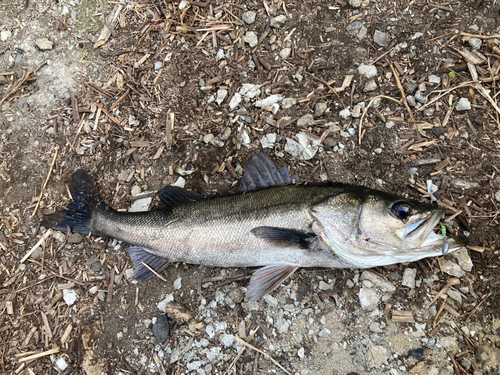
x,y
86,199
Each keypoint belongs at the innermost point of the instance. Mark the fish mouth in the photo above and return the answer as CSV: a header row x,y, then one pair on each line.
x,y
423,232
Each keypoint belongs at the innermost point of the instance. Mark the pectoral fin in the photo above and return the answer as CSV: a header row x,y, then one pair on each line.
x,y
268,278
285,237
141,256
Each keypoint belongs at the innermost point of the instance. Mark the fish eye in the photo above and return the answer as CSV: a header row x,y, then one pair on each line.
x,y
401,210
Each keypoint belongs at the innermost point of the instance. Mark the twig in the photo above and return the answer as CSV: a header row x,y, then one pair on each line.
x,y
366,110
242,350
242,342
152,270
46,181
453,281
403,96
19,84
478,306
39,355
74,106
37,245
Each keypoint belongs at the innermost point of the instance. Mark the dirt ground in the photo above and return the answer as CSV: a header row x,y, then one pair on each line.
x,y
395,95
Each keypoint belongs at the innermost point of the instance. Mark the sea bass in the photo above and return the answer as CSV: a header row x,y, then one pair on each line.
x,y
269,222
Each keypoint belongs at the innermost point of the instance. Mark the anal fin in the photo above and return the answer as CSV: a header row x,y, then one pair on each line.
x,y
141,256
268,278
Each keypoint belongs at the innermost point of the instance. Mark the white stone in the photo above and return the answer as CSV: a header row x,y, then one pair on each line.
x,y
378,281
368,298
61,364
69,296
369,71
278,21
178,283
497,196
249,17
268,140
235,101
251,38
162,305
345,113
245,139
409,278
289,102
183,5
304,149
475,43
285,53
306,120
221,95
5,34
370,86
181,182
270,100
44,44
324,286
435,79
250,90
355,3
140,205
463,105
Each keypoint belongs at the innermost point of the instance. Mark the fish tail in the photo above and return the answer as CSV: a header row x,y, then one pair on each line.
x,y
86,200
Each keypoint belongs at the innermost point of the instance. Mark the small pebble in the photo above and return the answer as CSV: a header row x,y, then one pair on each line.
x,y
306,120
249,17
463,105
370,86
161,329
380,38
277,22
475,43
251,38
44,44
435,79
369,71
410,99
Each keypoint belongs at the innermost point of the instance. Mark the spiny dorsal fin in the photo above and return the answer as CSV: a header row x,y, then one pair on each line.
x,y
261,173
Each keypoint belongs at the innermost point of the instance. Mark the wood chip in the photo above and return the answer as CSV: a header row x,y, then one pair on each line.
x,y
402,316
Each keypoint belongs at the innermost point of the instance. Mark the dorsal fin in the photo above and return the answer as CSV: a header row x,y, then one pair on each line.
x,y
171,196
261,173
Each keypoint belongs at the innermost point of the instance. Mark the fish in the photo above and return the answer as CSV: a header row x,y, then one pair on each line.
x,y
271,221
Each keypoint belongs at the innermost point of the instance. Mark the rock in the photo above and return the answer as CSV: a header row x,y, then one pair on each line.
x,y
285,53
462,184
249,17
438,131
351,131
268,140
5,34
225,134
489,358
288,102
161,329
369,71
463,258
463,105
324,286
277,22
251,38
355,26
325,332
368,298
301,352
410,99
475,43
227,340
306,120
181,182
236,295
420,97
59,236
75,238
269,101
69,296
409,278
345,113
497,196
434,79
411,86
140,205
376,356
355,3
61,364
304,149
245,138
162,305
389,124
380,38
451,268
221,95
178,283
356,111
44,44
319,109
158,65
235,100
429,112
250,90
375,327
379,282
454,295
129,274
183,5
378,151
370,86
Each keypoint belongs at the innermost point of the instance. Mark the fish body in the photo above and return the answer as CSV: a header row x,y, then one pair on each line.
x,y
266,224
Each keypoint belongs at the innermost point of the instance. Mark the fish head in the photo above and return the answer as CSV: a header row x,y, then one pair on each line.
x,y
370,228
